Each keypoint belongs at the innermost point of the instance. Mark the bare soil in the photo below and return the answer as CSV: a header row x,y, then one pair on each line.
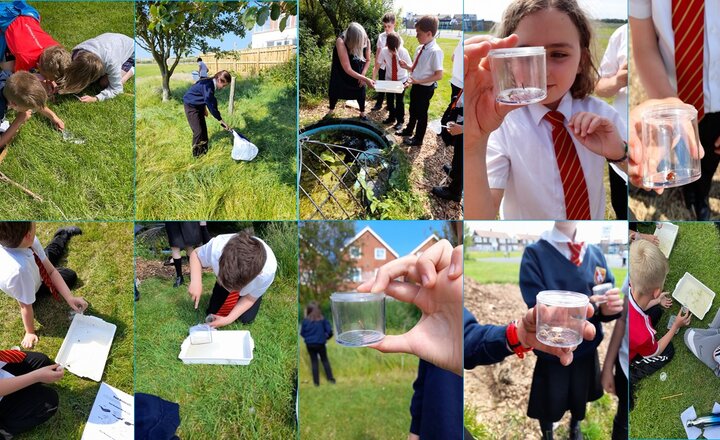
x,y
145,269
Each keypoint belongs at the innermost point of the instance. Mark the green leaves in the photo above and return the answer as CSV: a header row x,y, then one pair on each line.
x,y
275,11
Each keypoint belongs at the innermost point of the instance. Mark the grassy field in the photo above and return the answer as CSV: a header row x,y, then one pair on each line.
x,y
222,401
501,273
696,250
173,184
103,258
89,181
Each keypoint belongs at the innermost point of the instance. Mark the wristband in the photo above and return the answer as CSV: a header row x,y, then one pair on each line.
x,y
513,341
625,155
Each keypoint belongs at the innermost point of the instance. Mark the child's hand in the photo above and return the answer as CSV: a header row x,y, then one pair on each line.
x,y
24,116
195,291
682,319
78,304
454,129
607,379
404,64
613,304
86,98
48,374
224,125
665,300
654,239
621,77
598,134
58,123
29,340
219,321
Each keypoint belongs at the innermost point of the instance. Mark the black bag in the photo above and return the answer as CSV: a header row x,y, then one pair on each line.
x,y
451,115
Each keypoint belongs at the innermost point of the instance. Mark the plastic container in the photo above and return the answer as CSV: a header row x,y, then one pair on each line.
x,y
694,295
201,334
228,347
359,318
561,317
601,289
86,347
389,86
518,75
670,146
666,233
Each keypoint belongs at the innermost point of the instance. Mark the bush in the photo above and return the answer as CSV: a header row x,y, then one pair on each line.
x,y
315,64
285,73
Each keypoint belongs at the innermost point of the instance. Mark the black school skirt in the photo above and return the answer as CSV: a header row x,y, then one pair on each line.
x,y
557,389
183,234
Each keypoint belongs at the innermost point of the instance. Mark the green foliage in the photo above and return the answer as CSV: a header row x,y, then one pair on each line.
x,y
284,74
315,61
323,258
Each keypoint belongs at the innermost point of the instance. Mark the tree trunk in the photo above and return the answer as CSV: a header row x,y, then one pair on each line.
x,y
165,86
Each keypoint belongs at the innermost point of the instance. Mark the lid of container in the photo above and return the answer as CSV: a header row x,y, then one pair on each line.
x,y
562,298
669,112
356,297
517,52
603,286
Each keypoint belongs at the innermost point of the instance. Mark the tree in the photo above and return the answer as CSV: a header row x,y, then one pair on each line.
x,y
169,29
323,266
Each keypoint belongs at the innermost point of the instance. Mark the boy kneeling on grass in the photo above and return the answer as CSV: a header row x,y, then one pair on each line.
x,y
24,93
649,267
27,270
245,267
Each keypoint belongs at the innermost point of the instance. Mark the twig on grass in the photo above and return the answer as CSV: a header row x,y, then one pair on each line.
x,y
6,179
670,397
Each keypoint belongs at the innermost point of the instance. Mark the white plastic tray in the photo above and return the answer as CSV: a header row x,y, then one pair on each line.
x,y
694,295
389,86
229,347
667,235
86,347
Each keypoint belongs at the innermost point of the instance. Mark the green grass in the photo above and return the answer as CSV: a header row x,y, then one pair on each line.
x,y
173,184
471,255
89,181
256,401
509,273
103,258
696,250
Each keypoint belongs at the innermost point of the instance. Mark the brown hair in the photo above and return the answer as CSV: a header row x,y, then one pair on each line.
x,y
54,61
313,312
393,41
648,267
587,77
26,91
428,23
84,69
242,259
389,17
224,74
12,233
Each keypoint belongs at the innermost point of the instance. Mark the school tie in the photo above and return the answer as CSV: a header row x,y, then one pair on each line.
x,y
12,356
417,58
575,249
46,277
688,22
394,67
577,204
229,303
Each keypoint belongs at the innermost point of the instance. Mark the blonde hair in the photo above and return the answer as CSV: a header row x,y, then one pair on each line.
x,y
356,40
53,61
85,69
25,90
648,267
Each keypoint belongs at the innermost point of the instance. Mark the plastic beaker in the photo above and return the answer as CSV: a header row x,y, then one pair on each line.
x,y
201,334
561,317
601,289
671,145
359,318
518,75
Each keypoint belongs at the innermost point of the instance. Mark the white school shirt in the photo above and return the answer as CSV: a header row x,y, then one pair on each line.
x,y
624,352
661,13
386,58
521,160
430,61
615,56
458,65
381,44
209,255
113,50
560,241
19,275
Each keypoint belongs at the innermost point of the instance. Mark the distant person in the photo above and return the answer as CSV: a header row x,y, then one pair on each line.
x,y
202,68
350,63
198,100
316,331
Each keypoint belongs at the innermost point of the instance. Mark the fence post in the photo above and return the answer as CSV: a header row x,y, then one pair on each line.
x,y
231,104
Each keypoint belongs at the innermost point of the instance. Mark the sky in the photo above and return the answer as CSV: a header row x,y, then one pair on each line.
x,y
493,9
431,7
402,235
589,231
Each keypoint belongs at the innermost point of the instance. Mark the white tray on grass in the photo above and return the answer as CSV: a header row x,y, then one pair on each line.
x,y
86,347
667,235
389,86
694,295
228,347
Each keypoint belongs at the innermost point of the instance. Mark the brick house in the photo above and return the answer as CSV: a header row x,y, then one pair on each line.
x,y
422,247
369,251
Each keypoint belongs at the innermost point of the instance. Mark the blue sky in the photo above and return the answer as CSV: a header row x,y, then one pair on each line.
x,y
402,235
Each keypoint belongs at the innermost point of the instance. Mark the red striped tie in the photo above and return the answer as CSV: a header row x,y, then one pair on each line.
x,y
229,303
417,58
394,67
12,356
575,249
577,203
688,21
46,277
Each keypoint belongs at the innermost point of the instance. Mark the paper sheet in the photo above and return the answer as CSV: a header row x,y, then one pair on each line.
x,y
689,414
112,415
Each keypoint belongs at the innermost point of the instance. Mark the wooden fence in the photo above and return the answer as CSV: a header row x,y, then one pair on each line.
x,y
249,62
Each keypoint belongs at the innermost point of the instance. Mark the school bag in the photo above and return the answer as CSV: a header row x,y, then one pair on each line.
x,y
243,149
9,12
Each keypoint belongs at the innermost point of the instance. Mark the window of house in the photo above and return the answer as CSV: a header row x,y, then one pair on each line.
x,y
356,274
355,252
379,253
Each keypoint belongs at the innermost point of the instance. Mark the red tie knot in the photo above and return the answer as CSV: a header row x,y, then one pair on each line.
x,y
556,118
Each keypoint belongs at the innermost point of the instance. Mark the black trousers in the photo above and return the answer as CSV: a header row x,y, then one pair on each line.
x,y
315,351
620,423
220,294
54,251
618,194
420,97
396,106
642,367
195,115
29,407
380,96
456,172
699,191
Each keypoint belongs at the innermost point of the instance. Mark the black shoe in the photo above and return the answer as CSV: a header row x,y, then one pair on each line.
x,y
377,107
389,120
412,141
444,192
702,210
576,433
179,281
447,168
332,381
398,127
69,231
404,132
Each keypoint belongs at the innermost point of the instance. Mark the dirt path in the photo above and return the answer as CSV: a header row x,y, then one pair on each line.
x,y
426,160
499,393
145,269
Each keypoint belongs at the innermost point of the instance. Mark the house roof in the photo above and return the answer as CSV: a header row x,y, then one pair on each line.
x,y
368,229
491,234
412,252
529,237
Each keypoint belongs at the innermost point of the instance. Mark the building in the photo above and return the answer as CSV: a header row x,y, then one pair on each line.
x,y
425,245
368,251
269,35
493,241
